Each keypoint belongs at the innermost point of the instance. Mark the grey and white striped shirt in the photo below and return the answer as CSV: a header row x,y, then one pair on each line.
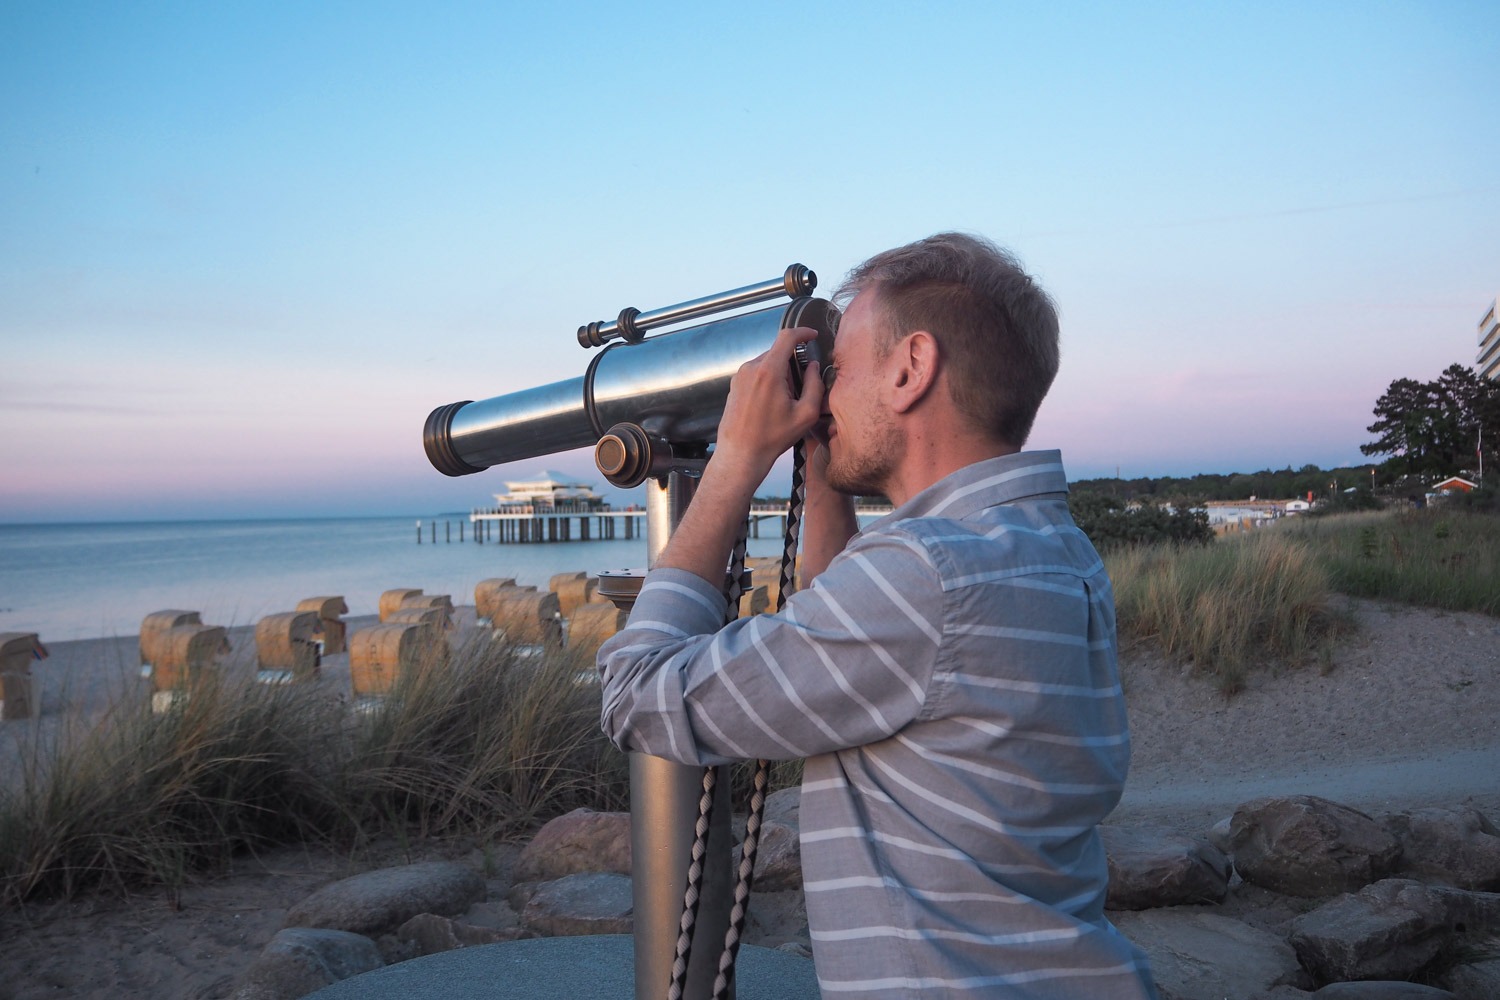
x,y
951,679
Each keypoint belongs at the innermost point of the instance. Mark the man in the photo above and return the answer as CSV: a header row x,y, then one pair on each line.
x,y
949,675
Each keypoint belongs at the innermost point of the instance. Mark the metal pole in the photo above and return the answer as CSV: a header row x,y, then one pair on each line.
x,y
663,812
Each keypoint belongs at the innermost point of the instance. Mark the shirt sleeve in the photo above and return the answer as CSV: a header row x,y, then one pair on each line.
x,y
846,663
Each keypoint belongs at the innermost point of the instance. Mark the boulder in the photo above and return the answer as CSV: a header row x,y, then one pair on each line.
x,y
431,934
1459,847
300,960
383,900
1381,990
778,859
581,841
1390,930
1303,845
588,903
1475,980
1153,866
784,807
1198,955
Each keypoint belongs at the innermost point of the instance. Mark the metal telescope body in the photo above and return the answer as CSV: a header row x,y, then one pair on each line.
x,y
650,406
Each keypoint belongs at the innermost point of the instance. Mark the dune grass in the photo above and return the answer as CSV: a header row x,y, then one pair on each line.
x,y
488,745
1224,607
1438,557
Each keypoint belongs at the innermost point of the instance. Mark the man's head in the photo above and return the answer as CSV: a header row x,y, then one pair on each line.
x,y
995,328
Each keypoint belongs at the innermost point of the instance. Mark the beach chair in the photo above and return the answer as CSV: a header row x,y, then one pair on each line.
x,y
380,655
287,644
590,625
184,650
528,617
154,627
330,611
18,650
391,600
486,595
574,591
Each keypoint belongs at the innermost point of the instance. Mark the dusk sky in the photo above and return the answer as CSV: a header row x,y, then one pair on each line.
x,y
246,248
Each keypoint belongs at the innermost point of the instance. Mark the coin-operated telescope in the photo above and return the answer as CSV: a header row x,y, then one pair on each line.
x,y
651,407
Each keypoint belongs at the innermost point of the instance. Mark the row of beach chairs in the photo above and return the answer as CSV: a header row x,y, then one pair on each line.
x,y
413,629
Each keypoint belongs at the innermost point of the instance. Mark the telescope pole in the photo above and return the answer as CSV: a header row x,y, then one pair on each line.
x,y
664,800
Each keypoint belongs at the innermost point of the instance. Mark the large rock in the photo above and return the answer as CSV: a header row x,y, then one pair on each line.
x,y
581,841
588,903
1303,845
1151,867
300,960
1457,846
430,934
383,900
1475,980
1390,930
1381,990
1199,955
785,807
778,859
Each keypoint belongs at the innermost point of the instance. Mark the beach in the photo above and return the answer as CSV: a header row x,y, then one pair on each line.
x,y
1402,717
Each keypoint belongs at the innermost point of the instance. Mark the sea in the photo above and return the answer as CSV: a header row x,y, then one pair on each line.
x,y
87,581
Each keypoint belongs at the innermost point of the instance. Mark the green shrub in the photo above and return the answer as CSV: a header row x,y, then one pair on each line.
x,y
1111,524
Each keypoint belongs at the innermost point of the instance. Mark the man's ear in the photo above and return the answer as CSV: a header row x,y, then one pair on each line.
x,y
915,375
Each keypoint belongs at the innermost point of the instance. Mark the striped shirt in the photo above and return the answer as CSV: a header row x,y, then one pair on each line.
x,y
951,681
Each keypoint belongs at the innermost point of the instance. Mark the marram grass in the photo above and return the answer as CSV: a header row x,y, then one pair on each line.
x,y
488,745
1227,606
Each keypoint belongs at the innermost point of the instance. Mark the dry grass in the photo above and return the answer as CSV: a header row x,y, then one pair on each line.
x,y
1226,606
489,745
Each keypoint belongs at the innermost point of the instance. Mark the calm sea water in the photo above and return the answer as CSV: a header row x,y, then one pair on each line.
x,y
82,581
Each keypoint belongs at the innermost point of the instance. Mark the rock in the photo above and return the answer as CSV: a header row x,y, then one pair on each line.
x,y
1153,866
1390,930
1219,835
432,934
778,859
1303,845
785,807
383,900
1381,990
299,960
1198,955
1475,980
588,903
775,919
581,841
1457,846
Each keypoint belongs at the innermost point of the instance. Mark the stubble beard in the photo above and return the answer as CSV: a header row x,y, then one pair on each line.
x,y
868,474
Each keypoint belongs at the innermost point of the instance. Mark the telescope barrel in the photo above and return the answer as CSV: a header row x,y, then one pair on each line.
x,y
674,386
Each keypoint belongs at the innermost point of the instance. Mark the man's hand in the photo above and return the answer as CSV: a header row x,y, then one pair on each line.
x,y
763,415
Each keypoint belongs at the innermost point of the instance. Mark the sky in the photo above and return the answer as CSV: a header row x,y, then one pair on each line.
x,y
245,248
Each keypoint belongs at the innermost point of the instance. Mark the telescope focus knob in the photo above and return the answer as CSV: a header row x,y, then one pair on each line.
x,y
626,455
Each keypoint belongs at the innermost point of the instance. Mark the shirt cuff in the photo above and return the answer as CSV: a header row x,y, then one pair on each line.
x,y
679,598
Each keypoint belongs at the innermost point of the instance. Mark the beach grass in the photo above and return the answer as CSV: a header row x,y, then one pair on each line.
x,y
1224,607
489,745
1438,557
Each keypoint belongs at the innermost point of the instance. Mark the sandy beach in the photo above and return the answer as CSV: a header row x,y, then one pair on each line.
x,y
1404,716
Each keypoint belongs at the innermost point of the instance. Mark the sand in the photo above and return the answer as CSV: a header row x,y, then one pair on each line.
x,y
1403,717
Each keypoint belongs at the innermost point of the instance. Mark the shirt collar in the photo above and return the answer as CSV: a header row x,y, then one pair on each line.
x,y
1007,479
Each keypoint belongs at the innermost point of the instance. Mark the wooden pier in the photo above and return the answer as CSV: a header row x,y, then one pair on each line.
x,y
522,524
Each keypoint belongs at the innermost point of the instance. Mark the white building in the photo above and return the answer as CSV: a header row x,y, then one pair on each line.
x,y
549,489
1487,361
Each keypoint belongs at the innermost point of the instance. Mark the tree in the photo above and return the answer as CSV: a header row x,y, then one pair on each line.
x,y
1434,428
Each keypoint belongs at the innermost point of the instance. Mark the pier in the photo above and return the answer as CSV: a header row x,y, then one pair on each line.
x,y
526,523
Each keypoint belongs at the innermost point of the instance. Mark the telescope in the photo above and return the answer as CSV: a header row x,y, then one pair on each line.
x,y
649,405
